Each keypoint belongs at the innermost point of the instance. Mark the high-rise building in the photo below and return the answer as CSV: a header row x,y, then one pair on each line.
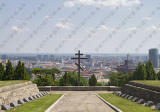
x,y
88,58
45,58
154,57
51,57
39,57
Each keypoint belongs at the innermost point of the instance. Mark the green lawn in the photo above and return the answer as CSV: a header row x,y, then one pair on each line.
x,y
124,104
149,82
38,105
11,82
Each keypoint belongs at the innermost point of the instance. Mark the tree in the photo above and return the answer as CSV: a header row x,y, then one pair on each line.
x,y
9,73
24,75
151,74
140,72
45,80
120,79
113,80
1,71
158,75
93,80
73,80
66,79
42,74
18,72
52,72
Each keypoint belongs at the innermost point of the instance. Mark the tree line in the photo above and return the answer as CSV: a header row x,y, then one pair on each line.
x,y
45,77
9,73
142,72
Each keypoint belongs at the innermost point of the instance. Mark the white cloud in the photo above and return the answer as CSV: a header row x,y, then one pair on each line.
x,y
15,28
131,2
131,29
21,21
103,27
66,26
153,28
46,17
147,18
102,2
69,4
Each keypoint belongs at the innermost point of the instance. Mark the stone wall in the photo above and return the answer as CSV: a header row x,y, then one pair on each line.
x,y
146,94
79,88
17,91
154,88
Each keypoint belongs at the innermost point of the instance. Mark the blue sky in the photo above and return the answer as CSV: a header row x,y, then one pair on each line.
x,y
33,24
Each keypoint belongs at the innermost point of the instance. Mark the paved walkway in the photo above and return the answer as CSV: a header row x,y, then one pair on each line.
x,y
80,101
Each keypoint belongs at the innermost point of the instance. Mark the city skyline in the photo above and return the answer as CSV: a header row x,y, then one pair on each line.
x,y
92,26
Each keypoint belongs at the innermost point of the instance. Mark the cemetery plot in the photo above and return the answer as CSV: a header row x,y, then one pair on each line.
x,y
125,105
38,105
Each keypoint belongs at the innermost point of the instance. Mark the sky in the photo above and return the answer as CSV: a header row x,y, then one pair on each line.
x,y
92,26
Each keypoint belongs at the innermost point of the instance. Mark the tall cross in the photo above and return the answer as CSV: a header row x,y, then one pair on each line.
x,y
78,65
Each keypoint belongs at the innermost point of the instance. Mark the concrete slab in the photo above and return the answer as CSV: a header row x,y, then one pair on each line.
x,y
82,101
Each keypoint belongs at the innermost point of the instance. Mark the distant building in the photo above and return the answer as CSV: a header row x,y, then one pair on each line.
x,y
51,57
126,67
45,57
89,65
4,57
88,58
39,57
154,57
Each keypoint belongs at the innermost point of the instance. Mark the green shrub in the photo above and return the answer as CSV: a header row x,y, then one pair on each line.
x,y
45,80
100,84
71,79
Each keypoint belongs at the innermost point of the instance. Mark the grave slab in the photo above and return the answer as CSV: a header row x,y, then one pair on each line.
x,y
40,95
117,94
130,98
135,99
30,98
43,94
14,104
149,104
5,107
126,97
123,95
37,96
20,101
141,101
120,94
34,97
157,107
26,100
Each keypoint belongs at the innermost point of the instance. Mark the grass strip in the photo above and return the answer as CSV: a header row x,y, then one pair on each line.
x,y
38,105
148,82
11,82
125,105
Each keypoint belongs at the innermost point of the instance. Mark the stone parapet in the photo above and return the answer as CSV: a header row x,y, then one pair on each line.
x,y
79,88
